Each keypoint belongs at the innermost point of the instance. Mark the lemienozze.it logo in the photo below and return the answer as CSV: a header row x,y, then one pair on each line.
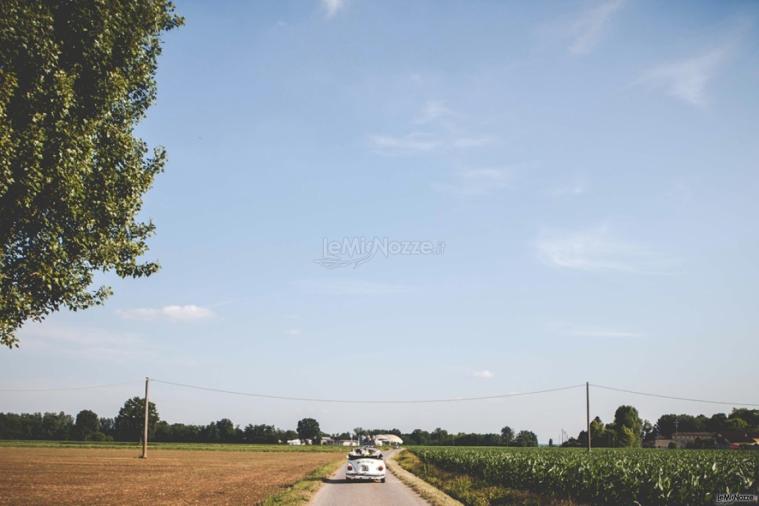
x,y
736,499
356,251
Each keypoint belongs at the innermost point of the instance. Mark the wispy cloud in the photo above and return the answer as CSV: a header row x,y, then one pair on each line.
x,y
349,287
86,342
434,127
293,332
189,312
574,189
422,142
589,28
332,7
603,333
598,249
686,79
433,110
476,182
413,142
483,374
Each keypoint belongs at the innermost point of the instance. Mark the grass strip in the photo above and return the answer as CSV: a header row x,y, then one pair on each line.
x,y
301,492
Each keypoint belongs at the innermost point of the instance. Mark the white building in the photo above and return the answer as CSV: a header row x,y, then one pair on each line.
x,y
387,439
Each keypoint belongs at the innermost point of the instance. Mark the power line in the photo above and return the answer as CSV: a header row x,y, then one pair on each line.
x,y
381,401
63,389
672,397
367,401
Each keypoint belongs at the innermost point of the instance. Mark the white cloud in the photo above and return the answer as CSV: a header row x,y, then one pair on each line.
x,y
331,7
483,374
686,79
187,312
293,332
476,182
590,27
598,250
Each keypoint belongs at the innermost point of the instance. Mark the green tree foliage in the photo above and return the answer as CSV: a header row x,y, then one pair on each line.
x,y
130,423
87,423
308,428
526,438
628,426
75,78
262,434
507,435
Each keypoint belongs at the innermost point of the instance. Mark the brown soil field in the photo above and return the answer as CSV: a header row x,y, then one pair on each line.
x,y
115,476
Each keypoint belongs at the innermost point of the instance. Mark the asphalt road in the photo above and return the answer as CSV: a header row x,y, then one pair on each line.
x,y
337,491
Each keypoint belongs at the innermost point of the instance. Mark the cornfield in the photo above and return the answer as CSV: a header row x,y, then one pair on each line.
x,y
607,476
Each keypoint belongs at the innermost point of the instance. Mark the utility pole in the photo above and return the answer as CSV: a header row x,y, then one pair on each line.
x,y
145,432
587,409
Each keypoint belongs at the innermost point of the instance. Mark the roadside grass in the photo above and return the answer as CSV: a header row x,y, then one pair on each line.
x,y
302,491
229,447
470,490
431,494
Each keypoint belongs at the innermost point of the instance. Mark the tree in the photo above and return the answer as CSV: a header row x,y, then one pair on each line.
x,y
75,79
439,436
129,424
108,426
507,435
526,438
56,426
308,428
626,417
87,423
227,430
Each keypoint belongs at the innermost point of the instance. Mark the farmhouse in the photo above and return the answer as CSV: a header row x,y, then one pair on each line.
x,y
389,439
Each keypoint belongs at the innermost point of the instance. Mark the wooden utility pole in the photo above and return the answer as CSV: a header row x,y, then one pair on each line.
x,y
587,409
145,428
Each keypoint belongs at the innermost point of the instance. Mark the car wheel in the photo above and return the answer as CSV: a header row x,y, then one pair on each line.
x,y
382,480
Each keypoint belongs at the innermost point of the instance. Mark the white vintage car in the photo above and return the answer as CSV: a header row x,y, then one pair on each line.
x,y
365,463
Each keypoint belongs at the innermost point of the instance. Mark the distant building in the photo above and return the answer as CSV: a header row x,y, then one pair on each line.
x,y
737,438
659,442
299,442
691,439
725,439
389,439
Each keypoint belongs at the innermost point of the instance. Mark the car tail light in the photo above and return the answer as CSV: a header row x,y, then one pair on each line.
x,y
380,468
350,467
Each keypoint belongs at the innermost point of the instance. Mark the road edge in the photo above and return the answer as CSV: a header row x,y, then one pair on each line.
x,y
303,490
430,493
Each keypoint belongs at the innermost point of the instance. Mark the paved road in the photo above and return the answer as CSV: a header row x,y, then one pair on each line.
x,y
337,491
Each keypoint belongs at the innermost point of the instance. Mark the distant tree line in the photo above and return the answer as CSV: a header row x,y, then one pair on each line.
x,y
628,430
128,426
439,436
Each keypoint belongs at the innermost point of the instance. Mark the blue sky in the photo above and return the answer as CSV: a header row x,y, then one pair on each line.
x,y
591,168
